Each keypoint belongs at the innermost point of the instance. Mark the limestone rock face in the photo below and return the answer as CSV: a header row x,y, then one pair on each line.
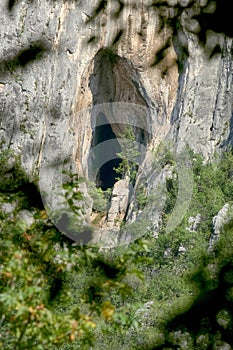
x,y
57,65
40,99
223,216
119,202
194,222
202,117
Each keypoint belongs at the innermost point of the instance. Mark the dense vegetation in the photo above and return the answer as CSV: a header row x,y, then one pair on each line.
x,y
162,293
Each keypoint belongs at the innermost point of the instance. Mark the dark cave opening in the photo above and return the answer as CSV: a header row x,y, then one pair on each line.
x,y
106,175
103,130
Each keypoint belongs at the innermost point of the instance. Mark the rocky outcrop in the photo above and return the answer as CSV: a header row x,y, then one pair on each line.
x,y
26,218
203,112
144,314
224,215
194,222
119,203
8,208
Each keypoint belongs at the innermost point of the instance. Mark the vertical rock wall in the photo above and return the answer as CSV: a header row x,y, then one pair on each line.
x,y
53,67
41,99
203,112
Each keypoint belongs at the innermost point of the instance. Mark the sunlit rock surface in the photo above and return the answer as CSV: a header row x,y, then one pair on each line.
x,y
57,64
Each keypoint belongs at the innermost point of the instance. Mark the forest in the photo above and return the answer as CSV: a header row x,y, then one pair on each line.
x,y
164,293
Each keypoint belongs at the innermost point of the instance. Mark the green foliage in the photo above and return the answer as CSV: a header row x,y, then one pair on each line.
x,y
208,320
181,257
56,295
100,198
163,155
34,278
212,189
172,191
129,155
48,295
225,174
11,174
73,194
142,197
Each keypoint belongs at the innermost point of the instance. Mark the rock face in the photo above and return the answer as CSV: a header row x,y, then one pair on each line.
x,y
119,203
143,314
40,99
203,112
224,215
58,65
194,222
8,208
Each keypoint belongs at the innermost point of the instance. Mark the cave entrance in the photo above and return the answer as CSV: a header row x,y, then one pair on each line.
x,y
114,79
106,175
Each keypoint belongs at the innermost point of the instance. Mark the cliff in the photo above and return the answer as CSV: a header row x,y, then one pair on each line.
x,y
62,71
